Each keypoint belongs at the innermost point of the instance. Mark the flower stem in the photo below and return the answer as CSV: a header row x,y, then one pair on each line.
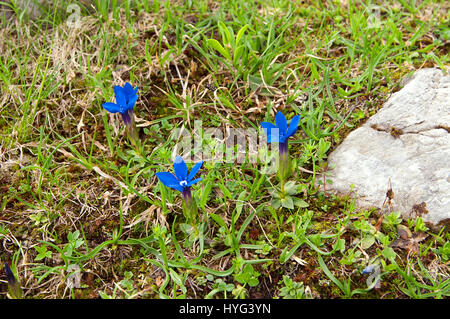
x,y
282,186
190,209
132,132
284,164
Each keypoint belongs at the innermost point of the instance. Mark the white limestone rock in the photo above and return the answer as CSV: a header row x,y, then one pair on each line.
x,y
408,142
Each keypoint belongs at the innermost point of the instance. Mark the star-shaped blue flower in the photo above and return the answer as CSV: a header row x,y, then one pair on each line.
x,y
181,181
368,270
280,132
126,98
14,289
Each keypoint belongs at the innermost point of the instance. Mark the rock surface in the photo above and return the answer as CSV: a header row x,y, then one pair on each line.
x,y
407,143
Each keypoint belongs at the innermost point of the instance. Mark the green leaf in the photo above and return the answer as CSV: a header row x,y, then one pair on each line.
x,y
239,292
255,82
42,253
330,275
240,34
291,188
323,147
248,276
205,194
14,290
287,202
420,225
253,282
226,35
239,205
389,254
285,254
237,54
71,237
213,43
228,241
367,242
300,203
276,203
340,245
225,191
177,280
391,267
244,225
393,218
218,219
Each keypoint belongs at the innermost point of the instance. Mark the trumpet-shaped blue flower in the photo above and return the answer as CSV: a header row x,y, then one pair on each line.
x,y
126,98
369,269
280,133
14,289
181,180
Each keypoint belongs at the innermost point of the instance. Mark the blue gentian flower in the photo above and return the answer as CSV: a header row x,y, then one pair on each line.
x,y
369,269
14,289
373,266
9,275
181,180
126,98
280,133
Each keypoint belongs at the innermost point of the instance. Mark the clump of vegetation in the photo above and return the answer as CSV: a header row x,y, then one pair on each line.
x,y
82,214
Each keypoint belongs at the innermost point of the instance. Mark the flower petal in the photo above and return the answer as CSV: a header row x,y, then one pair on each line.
x,y
128,89
10,275
194,181
293,126
180,168
178,188
131,102
194,170
118,90
273,133
274,136
127,118
268,127
169,180
111,107
120,97
281,122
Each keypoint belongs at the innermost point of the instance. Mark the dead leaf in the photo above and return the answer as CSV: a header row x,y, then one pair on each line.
x,y
379,222
418,237
300,261
402,244
404,232
159,281
410,243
